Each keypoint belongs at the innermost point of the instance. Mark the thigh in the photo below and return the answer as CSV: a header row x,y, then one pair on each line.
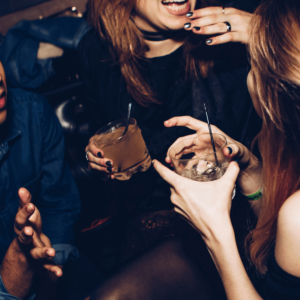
x,y
165,271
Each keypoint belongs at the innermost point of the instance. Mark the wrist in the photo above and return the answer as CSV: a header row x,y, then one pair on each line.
x,y
250,180
219,234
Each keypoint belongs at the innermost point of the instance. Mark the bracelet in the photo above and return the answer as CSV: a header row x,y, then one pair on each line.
x,y
255,196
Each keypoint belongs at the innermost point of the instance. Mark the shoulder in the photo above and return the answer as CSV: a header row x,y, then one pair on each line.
x,y
27,105
288,238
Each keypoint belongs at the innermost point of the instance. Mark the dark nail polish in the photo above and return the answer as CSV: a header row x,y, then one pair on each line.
x,y
209,41
108,163
99,154
230,150
197,28
109,169
187,25
189,14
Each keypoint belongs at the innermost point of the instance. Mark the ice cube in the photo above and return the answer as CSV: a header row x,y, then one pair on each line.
x,y
186,173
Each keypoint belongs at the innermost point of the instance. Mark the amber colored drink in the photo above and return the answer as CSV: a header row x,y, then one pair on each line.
x,y
129,152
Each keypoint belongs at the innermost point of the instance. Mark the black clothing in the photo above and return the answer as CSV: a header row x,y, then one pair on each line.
x,y
182,268
280,285
224,91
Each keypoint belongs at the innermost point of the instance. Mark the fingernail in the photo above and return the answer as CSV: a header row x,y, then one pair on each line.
x,y
196,28
108,163
189,14
30,208
187,25
99,154
152,161
209,41
109,169
230,150
48,253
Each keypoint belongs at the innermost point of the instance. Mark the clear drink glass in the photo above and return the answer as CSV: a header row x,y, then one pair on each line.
x,y
195,158
129,153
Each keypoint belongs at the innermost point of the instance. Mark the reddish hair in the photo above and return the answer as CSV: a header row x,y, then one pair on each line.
x,y
275,61
112,19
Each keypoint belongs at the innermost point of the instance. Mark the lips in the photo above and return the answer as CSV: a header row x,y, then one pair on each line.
x,y
176,7
2,99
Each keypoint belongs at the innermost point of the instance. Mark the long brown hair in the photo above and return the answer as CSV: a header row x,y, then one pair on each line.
x,y
112,19
275,60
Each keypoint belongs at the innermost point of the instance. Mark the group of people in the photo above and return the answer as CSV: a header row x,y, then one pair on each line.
x,y
167,58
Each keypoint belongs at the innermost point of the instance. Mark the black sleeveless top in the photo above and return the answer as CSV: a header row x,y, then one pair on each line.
x,y
278,284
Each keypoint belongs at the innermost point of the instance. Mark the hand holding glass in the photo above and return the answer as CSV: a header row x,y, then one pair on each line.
x,y
195,158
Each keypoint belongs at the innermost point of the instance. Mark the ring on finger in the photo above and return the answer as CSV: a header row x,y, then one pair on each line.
x,y
228,26
86,155
223,10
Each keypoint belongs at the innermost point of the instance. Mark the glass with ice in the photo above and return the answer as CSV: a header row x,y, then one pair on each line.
x,y
128,152
196,159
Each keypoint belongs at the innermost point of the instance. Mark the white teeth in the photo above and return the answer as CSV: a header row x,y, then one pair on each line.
x,y
176,7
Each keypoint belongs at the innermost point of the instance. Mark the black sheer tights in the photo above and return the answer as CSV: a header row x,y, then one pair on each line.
x,y
175,268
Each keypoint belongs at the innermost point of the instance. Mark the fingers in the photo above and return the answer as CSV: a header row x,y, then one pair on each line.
x,y
42,253
22,217
240,153
94,149
54,269
25,236
100,164
36,221
228,37
188,122
206,12
25,197
168,175
231,174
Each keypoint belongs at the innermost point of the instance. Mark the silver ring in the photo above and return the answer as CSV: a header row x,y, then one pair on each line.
x,y
223,10
86,155
228,26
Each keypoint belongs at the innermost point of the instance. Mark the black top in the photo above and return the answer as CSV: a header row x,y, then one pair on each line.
x,y
278,284
224,91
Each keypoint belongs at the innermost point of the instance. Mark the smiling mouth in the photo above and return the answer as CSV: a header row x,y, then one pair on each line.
x,y
175,5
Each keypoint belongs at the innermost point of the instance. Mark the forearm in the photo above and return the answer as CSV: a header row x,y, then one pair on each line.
x,y
225,255
16,271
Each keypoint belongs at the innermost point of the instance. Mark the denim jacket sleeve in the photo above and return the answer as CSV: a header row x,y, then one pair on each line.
x,y
58,199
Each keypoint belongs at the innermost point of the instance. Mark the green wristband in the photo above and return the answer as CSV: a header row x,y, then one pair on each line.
x,y
255,196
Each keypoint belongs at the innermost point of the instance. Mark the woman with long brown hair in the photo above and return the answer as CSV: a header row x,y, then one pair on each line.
x,y
271,186
166,59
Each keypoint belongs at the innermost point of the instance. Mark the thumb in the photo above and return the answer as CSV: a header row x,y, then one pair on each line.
x,y
166,174
25,197
231,173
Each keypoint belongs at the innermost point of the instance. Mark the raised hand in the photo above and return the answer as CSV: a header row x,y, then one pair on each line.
x,y
96,159
216,20
206,205
250,176
28,227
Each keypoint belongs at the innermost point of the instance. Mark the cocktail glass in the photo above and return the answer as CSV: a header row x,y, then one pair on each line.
x,y
129,152
194,158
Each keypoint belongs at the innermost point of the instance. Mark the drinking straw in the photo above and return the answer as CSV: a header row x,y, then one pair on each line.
x,y
211,135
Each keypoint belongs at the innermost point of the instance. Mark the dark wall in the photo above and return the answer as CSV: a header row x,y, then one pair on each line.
x,y
10,6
